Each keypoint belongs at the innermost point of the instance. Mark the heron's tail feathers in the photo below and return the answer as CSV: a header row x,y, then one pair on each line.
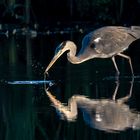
x,y
135,31
135,27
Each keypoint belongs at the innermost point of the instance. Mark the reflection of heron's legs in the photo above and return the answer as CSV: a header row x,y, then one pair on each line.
x,y
129,59
125,99
116,90
114,62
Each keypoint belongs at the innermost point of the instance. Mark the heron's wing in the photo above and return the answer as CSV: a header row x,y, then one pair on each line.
x,y
106,42
113,41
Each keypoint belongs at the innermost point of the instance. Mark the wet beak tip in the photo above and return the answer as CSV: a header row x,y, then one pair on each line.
x,y
46,72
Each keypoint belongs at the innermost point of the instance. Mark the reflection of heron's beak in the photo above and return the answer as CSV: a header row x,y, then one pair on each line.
x,y
52,62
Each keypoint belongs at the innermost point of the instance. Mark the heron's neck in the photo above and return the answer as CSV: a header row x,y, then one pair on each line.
x,y
71,55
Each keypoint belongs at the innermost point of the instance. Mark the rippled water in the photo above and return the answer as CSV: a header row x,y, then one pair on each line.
x,y
26,111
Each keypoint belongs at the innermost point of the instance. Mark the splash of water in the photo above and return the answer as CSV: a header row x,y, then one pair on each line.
x,y
32,82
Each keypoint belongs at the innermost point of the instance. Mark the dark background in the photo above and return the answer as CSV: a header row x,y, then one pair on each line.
x,y
54,12
29,34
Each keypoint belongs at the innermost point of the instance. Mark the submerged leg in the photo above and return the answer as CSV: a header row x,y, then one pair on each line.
x,y
114,62
129,59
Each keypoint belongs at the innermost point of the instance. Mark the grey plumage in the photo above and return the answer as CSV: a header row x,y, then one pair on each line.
x,y
112,40
105,42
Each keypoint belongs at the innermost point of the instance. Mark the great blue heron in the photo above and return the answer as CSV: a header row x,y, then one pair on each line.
x,y
106,42
104,114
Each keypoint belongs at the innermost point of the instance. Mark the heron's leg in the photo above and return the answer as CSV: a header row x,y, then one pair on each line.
x,y
114,62
126,98
129,59
116,90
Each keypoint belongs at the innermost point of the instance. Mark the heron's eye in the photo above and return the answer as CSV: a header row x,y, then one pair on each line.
x,y
93,113
92,46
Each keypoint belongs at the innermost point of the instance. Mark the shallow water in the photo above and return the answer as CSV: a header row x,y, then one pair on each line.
x,y
26,111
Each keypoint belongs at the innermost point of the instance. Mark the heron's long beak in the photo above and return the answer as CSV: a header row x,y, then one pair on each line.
x,y
52,62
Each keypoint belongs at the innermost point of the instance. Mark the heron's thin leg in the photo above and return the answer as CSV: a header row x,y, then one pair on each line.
x,y
114,62
125,99
129,59
116,90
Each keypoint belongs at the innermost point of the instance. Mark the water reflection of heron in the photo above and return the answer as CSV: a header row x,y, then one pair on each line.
x,y
106,42
104,114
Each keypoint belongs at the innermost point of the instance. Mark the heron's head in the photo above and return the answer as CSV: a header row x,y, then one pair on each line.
x,y
64,46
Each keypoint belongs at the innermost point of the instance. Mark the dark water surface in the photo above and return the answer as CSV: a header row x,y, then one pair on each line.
x,y
25,110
